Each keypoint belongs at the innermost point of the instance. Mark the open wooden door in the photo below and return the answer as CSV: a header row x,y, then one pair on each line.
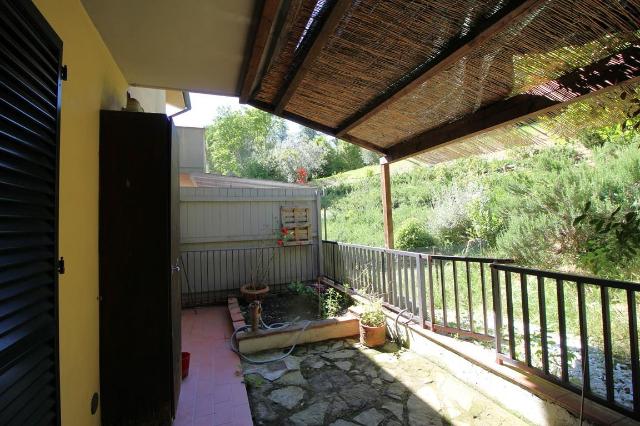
x,y
176,274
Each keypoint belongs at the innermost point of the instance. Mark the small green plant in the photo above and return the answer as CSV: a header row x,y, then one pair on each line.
x,y
372,313
332,302
301,289
413,235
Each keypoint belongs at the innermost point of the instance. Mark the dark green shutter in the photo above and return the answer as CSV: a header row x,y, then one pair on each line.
x,y
30,72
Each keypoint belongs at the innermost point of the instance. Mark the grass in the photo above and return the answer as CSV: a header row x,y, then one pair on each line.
x,y
529,200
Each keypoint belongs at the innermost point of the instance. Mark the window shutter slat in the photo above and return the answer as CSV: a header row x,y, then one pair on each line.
x,y
30,66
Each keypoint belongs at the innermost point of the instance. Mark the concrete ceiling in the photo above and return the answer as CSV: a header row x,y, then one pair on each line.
x,y
194,45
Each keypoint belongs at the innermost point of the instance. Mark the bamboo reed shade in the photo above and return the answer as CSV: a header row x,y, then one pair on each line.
x,y
297,24
376,44
598,111
556,38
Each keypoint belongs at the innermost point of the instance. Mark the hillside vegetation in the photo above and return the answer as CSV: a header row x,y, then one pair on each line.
x,y
570,207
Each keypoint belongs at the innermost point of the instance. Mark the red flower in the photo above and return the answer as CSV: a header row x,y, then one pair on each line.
x,y
285,231
280,242
301,175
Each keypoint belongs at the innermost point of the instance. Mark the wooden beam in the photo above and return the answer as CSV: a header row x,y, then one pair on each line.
x,y
597,78
317,126
387,206
328,28
263,33
453,51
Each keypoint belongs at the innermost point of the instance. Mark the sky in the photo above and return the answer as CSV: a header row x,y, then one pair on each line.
x,y
204,108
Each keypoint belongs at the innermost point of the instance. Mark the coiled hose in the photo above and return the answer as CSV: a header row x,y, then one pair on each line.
x,y
275,326
397,339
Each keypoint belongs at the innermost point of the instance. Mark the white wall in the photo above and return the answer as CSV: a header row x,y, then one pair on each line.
x,y
229,234
237,217
151,100
192,152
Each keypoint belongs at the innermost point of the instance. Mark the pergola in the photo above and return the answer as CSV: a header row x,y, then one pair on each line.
x,y
437,80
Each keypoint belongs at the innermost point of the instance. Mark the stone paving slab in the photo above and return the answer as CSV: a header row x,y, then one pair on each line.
x,y
340,383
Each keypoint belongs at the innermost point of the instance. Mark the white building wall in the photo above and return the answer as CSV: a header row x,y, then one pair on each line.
x,y
192,149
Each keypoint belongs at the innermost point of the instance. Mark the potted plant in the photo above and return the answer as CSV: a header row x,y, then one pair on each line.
x,y
257,289
373,328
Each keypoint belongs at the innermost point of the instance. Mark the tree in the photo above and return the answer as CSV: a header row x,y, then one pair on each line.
x,y
242,142
300,152
369,157
249,142
341,156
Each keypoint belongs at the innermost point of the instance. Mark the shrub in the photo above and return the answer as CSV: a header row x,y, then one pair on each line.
x,y
486,224
613,240
530,241
450,217
413,235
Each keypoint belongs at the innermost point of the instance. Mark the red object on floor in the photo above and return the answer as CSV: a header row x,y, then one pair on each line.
x,y
185,364
214,392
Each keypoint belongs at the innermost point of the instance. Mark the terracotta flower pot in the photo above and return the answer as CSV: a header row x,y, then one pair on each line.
x,y
251,294
373,336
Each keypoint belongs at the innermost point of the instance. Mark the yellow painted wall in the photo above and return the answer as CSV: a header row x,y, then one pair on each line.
x,y
94,82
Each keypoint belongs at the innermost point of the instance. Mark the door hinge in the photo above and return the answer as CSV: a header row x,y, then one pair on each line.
x,y
61,265
63,73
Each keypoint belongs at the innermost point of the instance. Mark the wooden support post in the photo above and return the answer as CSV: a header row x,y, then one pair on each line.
x,y
385,184
324,211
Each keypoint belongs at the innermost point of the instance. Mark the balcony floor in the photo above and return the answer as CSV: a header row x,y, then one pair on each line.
x,y
213,393
341,383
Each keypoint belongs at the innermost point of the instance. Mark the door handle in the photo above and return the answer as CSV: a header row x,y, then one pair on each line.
x,y
175,268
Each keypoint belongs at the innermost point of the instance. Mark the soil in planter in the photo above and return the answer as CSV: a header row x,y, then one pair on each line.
x,y
285,307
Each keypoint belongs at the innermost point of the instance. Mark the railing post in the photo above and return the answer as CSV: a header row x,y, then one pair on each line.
x,y
497,310
633,341
340,261
383,269
333,254
432,306
421,289
390,277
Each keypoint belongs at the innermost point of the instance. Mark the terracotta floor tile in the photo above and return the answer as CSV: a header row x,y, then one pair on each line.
x,y
221,394
243,416
204,406
214,392
205,386
223,412
185,413
187,392
204,421
239,393
180,421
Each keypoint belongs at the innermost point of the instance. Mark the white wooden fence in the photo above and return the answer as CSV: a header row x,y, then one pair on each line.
x,y
229,235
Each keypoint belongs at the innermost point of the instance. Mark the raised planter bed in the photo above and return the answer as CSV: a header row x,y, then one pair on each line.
x,y
318,330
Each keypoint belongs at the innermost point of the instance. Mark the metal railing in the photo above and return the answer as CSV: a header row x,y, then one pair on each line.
x,y
389,274
210,276
558,323
443,292
460,295
549,322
